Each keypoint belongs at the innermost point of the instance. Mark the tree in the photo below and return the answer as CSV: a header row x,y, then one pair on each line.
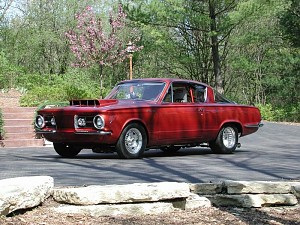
x,y
290,22
92,44
4,7
259,59
35,40
199,31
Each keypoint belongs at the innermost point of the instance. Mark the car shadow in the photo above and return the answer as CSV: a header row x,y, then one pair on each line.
x,y
153,153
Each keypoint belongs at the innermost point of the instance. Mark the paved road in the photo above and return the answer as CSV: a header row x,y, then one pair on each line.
x,y
273,153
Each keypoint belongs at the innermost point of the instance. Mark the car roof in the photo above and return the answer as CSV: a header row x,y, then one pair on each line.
x,y
168,80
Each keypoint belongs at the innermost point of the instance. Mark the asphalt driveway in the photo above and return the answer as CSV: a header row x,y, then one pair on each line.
x,y
273,153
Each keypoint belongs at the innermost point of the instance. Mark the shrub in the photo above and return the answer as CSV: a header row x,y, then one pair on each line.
x,y
8,73
60,93
287,113
30,81
267,112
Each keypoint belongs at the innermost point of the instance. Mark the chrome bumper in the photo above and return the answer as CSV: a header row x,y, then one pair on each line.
x,y
260,124
101,133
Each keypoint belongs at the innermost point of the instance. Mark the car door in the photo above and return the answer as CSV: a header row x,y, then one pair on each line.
x,y
181,117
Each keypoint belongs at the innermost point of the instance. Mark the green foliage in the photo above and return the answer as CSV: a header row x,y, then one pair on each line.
x,y
55,88
289,113
44,94
267,112
8,72
290,22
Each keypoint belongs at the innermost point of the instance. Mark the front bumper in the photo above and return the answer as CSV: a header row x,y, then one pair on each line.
x,y
80,137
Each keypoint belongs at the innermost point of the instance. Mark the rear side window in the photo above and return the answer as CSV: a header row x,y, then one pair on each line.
x,y
221,99
185,93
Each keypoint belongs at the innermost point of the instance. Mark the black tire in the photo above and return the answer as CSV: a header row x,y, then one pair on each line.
x,y
132,142
170,149
66,151
227,140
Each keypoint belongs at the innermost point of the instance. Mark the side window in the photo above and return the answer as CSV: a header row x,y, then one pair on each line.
x,y
200,94
220,98
168,97
182,92
185,93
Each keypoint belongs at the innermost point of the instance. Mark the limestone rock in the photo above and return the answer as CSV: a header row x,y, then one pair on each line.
x,y
206,188
24,192
139,192
257,187
120,209
296,190
195,201
251,200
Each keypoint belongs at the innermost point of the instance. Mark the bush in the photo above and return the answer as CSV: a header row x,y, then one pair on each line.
x,y
289,113
60,93
30,81
267,112
8,72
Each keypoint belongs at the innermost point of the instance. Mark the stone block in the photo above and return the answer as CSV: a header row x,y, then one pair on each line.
x,y
257,187
253,200
120,209
139,192
24,192
206,188
296,190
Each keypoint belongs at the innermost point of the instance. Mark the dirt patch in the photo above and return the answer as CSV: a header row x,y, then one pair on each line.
x,y
9,98
202,216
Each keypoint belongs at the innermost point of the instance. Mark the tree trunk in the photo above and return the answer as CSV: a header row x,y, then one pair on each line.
x,y
101,80
215,48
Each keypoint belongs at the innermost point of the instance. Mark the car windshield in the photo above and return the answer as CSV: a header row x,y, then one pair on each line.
x,y
139,91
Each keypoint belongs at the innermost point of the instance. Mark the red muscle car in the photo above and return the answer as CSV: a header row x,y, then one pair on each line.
x,y
143,114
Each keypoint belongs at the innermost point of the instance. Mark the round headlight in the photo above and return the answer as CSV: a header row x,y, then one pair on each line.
x,y
53,123
39,121
81,122
98,122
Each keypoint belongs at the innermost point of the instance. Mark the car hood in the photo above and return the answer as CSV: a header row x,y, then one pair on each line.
x,y
97,104
93,102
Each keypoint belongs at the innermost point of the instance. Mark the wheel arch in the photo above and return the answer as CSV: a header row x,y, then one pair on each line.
x,y
140,122
238,126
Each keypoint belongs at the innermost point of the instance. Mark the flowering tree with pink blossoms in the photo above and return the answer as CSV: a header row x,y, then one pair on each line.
x,y
91,44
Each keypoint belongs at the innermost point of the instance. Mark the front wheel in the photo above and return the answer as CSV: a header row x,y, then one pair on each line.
x,y
132,142
65,150
226,141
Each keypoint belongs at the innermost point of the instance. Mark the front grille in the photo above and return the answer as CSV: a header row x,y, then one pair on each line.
x,y
88,121
48,119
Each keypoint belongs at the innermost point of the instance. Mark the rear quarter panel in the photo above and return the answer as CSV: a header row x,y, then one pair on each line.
x,y
217,115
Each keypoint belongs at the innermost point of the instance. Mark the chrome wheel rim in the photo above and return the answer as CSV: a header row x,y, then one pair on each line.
x,y
133,141
229,137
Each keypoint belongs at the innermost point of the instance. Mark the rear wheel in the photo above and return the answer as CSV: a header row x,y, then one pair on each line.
x,y
226,141
66,150
132,142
